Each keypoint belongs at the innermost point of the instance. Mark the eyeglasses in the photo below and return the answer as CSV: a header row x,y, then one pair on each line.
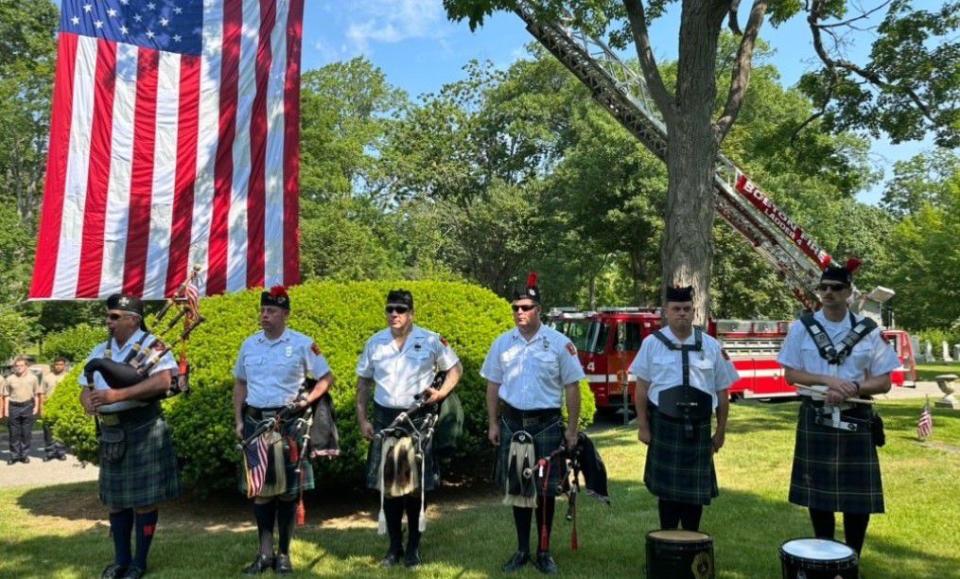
x,y
523,308
397,309
115,317
831,287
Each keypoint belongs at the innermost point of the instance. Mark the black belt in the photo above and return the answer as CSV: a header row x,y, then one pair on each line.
x,y
27,403
133,416
261,413
529,417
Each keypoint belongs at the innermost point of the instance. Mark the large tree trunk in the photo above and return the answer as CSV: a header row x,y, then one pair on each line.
x,y
687,252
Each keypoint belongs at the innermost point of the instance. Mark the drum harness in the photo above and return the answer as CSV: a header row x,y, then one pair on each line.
x,y
684,401
830,414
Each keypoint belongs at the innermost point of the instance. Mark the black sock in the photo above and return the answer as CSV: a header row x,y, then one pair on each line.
x,y
266,514
393,510
545,509
855,530
824,524
412,505
669,514
286,517
690,516
146,527
521,520
121,524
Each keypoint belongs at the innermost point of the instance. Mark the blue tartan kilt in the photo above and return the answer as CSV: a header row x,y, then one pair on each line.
x,y
147,472
677,468
382,417
836,470
547,437
290,429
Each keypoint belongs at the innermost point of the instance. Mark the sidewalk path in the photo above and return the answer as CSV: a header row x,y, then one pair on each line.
x,y
39,473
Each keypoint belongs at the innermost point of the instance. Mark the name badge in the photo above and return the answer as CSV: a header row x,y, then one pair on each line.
x,y
288,351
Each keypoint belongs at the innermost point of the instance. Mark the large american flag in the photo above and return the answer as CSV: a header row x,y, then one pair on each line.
x,y
173,144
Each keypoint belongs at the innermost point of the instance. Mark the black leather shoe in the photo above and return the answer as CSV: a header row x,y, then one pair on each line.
x,y
61,456
283,565
261,564
12,461
391,559
133,572
412,559
25,460
113,571
47,458
516,562
545,563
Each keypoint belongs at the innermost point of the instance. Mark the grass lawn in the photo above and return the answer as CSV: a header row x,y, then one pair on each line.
x,y
929,371
60,531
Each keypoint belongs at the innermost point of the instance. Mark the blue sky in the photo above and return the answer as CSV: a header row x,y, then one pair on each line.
x,y
419,50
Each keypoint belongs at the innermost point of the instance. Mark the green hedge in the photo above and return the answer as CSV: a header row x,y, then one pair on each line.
x,y
340,317
74,343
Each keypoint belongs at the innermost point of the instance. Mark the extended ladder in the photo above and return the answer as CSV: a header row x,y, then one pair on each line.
x,y
624,94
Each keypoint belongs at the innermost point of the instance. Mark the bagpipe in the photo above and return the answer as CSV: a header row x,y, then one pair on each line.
x,y
142,358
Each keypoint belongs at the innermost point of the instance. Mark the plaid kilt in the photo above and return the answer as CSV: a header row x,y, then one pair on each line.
x,y
836,470
382,417
290,428
547,437
147,472
677,468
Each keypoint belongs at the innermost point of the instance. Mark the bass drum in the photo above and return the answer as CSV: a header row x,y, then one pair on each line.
x,y
818,559
679,555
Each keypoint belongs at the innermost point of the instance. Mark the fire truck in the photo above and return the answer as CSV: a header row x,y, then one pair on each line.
x,y
609,338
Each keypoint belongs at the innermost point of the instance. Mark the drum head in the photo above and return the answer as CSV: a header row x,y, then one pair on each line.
x,y
675,536
817,550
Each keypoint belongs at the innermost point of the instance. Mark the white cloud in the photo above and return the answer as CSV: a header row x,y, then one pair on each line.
x,y
392,21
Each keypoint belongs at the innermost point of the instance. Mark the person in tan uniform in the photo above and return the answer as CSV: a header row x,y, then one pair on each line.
x,y
3,397
20,404
51,448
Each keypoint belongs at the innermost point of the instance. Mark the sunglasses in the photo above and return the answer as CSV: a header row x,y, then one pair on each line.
x,y
115,317
831,287
524,308
397,309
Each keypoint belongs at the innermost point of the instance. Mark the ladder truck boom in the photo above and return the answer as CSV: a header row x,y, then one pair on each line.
x,y
624,94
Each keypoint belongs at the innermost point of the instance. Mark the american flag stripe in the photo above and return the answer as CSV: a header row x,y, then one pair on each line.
x,y
91,245
164,156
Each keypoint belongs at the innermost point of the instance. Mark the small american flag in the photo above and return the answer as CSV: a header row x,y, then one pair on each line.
x,y
925,422
255,455
192,294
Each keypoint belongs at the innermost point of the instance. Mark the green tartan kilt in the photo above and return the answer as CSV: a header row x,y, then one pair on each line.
x,y
290,428
547,437
836,470
382,417
680,469
147,472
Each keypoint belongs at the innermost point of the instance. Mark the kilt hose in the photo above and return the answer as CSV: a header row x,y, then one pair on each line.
x,y
836,470
547,433
382,417
146,474
677,468
289,429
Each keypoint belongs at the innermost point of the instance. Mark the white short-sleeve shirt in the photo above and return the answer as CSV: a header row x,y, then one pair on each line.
x,y
274,370
118,354
710,370
402,374
872,356
532,374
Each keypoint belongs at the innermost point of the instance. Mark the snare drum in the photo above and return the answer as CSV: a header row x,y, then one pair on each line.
x,y
818,559
679,555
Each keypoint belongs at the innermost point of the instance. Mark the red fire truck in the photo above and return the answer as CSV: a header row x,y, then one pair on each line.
x,y
609,338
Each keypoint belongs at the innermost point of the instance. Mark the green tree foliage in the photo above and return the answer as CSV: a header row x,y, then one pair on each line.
x,y
340,317
920,180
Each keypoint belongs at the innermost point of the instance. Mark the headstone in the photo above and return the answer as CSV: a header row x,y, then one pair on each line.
x,y
956,351
928,353
946,384
946,352
915,347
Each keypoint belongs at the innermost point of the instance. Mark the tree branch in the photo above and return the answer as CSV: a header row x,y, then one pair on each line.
x,y
861,16
732,18
648,63
816,13
740,75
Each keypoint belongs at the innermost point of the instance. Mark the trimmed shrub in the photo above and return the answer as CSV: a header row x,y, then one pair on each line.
x,y
74,343
340,317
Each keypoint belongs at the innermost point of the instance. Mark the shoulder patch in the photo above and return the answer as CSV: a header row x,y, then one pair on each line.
x,y
571,348
315,348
